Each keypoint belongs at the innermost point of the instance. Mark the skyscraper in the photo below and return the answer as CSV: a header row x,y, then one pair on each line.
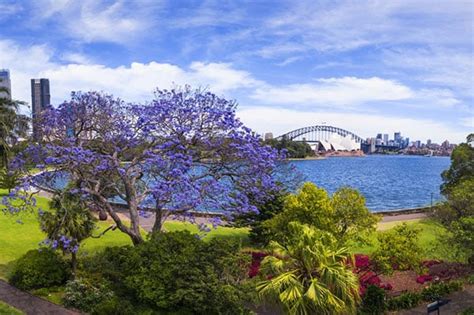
x,y
40,98
5,83
385,139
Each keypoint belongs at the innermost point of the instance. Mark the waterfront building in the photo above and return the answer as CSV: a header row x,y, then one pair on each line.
x,y
385,139
268,136
397,137
5,83
40,99
418,143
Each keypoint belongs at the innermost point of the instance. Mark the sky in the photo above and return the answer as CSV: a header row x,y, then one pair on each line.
x,y
365,66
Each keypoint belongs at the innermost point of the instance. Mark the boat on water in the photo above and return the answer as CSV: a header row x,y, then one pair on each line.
x,y
429,154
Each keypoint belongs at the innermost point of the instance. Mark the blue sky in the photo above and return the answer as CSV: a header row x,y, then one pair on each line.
x,y
366,66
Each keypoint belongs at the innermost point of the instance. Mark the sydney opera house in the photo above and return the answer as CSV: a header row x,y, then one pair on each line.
x,y
337,143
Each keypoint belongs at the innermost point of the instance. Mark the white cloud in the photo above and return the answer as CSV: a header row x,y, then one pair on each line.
x,y
92,20
343,26
135,82
345,91
77,58
280,121
445,67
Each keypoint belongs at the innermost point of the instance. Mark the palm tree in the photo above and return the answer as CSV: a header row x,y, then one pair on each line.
x,y
12,125
309,274
68,223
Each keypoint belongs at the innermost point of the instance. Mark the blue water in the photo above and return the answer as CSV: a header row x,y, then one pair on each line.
x,y
388,182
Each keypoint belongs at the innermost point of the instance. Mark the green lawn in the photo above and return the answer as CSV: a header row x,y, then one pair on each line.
x,y
6,309
20,233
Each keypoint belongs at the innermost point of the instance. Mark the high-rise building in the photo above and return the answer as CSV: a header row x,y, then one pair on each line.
x,y
5,83
428,142
385,139
268,136
40,99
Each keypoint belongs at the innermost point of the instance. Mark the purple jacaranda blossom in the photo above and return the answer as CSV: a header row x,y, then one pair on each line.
x,y
182,152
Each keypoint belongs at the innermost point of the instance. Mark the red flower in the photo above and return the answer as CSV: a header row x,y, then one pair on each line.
x,y
423,278
361,261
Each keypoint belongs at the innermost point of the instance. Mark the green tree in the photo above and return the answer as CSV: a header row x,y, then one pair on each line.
x,y
462,168
309,274
398,248
294,149
351,219
344,214
457,212
259,232
463,237
68,223
12,125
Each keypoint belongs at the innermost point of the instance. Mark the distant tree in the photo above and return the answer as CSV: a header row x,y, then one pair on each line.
x,y
344,215
12,125
398,248
67,224
308,274
470,138
293,149
185,150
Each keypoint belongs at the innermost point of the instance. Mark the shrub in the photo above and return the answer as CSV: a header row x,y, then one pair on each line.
x,y
398,249
438,290
404,301
178,272
85,296
39,269
108,265
117,306
373,301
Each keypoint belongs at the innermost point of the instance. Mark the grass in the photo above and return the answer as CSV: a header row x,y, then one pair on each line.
x,y
21,233
6,309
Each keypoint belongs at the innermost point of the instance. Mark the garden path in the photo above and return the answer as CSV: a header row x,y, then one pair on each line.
x,y
460,301
29,303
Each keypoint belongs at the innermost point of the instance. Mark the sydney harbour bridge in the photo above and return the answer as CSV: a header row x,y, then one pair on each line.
x,y
327,138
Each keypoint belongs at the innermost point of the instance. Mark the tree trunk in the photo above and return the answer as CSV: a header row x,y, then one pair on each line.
x,y
159,215
73,265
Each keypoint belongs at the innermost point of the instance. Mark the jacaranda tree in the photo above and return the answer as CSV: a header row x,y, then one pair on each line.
x,y
185,150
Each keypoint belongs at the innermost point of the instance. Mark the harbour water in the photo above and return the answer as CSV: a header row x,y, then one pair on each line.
x,y
388,182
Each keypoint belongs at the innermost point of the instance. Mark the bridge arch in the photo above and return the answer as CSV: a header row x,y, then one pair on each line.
x,y
318,133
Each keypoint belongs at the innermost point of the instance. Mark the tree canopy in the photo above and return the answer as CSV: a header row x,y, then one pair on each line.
x,y
185,150
344,215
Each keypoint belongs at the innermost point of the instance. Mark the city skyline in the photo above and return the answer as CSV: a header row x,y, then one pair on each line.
x,y
407,66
